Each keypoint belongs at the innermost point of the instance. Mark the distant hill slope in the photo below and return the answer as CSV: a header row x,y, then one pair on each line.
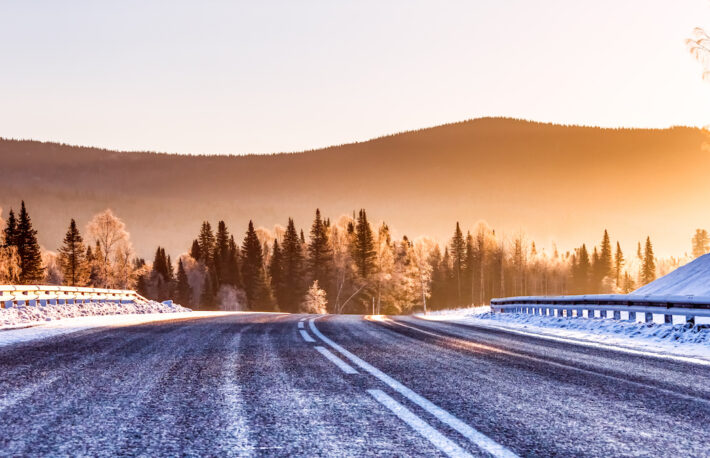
x,y
555,182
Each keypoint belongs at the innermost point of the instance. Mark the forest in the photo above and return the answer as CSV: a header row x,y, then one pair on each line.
x,y
346,265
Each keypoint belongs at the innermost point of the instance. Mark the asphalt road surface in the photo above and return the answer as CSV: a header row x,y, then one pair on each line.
x,y
284,385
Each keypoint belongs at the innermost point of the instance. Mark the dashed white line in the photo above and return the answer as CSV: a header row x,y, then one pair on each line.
x,y
345,367
306,336
300,325
470,433
432,435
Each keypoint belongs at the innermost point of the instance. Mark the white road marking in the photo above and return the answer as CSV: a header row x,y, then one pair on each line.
x,y
345,367
303,319
417,424
470,433
306,337
300,325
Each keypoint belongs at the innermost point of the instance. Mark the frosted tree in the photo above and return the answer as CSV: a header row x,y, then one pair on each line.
x,y
113,253
701,243
9,265
315,300
422,268
384,265
53,274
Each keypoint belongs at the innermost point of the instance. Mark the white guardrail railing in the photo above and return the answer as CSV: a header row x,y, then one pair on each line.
x,y
601,305
34,295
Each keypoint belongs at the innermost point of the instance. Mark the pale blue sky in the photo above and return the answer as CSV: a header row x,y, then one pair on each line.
x,y
266,76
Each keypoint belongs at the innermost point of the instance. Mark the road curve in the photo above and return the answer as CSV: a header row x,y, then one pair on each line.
x,y
272,384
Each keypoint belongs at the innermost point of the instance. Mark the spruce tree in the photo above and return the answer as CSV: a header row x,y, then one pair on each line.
x,y
221,259
469,269
581,272
276,274
28,250
619,262
320,253
11,229
253,274
72,258
648,269
605,257
233,276
363,249
206,241
195,250
183,290
292,269
458,252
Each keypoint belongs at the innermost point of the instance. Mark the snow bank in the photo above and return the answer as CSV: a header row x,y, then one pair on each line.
x,y
690,279
23,316
69,325
659,339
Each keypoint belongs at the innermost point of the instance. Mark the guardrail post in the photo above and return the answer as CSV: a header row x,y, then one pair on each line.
x,y
648,317
617,315
668,319
632,316
690,319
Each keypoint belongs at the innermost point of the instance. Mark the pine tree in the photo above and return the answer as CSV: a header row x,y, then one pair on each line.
x,y
28,249
320,252
206,241
11,230
276,275
470,269
648,269
253,274
233,275
221,256
581,271
183,291
292,269
195,250
605,267
363,249
619,262
458,251
72,258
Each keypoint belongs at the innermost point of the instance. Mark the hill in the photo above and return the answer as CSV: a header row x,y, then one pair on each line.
x,y
564,183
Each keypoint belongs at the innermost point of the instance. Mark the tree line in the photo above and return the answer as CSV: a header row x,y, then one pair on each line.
x,y
343,266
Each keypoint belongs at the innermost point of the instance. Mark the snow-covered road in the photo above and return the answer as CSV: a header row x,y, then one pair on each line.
x,y
263,384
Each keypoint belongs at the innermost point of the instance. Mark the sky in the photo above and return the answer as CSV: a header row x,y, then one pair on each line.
x,y
210,77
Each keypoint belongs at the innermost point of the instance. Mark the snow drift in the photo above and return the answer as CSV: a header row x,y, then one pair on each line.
x,y
17,316
692,279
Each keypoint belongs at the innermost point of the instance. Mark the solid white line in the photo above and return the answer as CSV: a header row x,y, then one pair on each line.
x,y
417,424
300,325
345,367
470,433
306,337
302,319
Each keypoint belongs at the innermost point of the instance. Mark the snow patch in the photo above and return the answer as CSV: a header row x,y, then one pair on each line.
x,y
661,339
691,279
27,315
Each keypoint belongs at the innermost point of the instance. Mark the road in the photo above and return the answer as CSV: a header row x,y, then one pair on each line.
x,y
283,385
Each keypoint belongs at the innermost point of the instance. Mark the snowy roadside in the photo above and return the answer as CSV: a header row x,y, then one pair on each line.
x,y
43,330
691,344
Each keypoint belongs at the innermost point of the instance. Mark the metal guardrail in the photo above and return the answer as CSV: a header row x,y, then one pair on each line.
x,y
44,295
588,305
